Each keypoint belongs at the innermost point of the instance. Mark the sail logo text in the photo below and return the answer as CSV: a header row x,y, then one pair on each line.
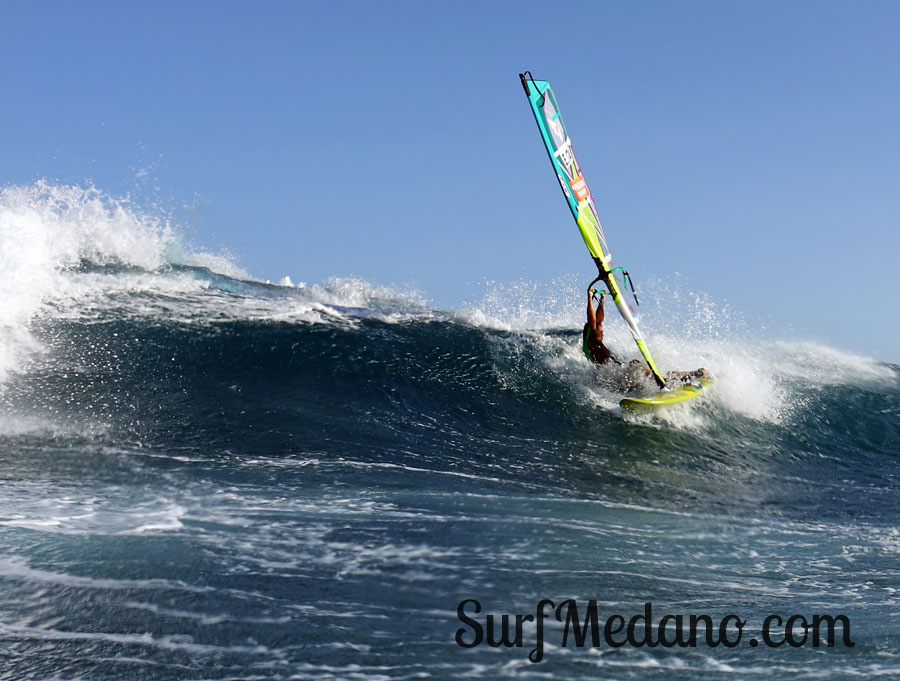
x,y
579,186
640,630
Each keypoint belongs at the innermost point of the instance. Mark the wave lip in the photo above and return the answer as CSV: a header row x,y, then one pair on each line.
x,y
49,232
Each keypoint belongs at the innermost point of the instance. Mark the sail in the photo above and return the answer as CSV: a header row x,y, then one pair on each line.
x,y
580,199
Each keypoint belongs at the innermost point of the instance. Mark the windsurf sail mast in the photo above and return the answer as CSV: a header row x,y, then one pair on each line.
x,y
580,200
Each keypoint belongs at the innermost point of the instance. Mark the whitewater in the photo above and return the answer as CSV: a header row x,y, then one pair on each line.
x,y
208,476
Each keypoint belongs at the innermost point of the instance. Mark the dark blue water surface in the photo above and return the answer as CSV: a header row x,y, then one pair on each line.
x,y
194,486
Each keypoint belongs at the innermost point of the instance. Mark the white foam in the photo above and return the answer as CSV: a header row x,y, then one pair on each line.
x,y
16,568
204,618
180,642
75,513
47,231
758,375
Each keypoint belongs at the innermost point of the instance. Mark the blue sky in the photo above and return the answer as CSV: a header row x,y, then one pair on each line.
x,y
752,146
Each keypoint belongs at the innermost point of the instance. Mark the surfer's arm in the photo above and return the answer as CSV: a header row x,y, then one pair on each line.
x,y
591,316
595,317
600,314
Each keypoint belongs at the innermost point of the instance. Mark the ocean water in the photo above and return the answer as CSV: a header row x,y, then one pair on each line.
x,y
203,476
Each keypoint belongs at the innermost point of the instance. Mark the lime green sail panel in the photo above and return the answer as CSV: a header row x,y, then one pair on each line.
x,y
579,197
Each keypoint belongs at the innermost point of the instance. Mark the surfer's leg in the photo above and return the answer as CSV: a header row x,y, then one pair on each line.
x,y
633,375
686,376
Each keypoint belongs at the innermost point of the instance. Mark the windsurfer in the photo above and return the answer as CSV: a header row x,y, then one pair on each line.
x,y
592,335
597,352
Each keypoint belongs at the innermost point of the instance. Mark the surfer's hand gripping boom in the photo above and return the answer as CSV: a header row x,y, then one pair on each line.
x,y
593,291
